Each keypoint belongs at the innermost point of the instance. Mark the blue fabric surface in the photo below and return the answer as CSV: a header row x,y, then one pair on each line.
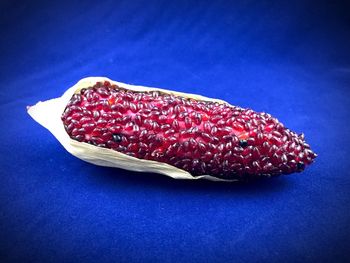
x,y
289,59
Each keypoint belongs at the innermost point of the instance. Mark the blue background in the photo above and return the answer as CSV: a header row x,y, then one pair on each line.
x,y
289,59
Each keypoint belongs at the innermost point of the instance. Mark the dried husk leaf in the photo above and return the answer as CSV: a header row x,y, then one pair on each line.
x,y
48,114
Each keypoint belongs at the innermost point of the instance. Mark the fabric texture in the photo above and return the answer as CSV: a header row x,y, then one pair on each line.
x,y
288,59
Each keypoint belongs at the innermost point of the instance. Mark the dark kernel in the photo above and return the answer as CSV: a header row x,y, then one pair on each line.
x,y
300,166
117,137
243,143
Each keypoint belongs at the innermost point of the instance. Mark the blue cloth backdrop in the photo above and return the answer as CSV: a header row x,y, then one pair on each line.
x,y
288,58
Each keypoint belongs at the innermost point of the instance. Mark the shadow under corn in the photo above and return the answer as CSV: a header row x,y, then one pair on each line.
x,y
116,178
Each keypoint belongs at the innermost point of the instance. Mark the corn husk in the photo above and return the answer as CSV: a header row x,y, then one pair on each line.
x,y
48,114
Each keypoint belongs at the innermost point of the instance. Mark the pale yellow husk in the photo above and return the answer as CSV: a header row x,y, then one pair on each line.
x,y
48,114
